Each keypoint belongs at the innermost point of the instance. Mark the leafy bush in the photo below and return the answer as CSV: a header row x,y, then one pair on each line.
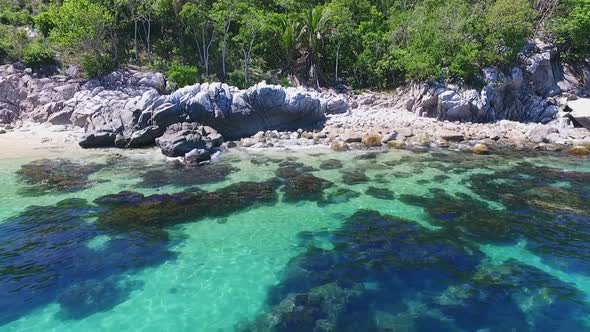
x,y
44,22
572,29
236,78
182,75
507,25
13,41
97,65
38,55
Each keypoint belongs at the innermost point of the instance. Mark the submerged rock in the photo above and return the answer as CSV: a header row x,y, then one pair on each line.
x,y
380,193
299,184
331,164
61,175
185,175
130,211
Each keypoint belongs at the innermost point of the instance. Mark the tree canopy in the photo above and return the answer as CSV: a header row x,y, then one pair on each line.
x,y
362,43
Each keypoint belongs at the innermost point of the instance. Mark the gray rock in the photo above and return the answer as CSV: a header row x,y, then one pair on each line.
x,y
336,105
403,132
388,138
540,133
181,138
352,138
98,140
145,137
60,118
451,136
198,155
6,116
555,138
579,112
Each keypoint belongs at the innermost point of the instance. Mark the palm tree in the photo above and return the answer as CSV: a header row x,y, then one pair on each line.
x,y
288,34
315,26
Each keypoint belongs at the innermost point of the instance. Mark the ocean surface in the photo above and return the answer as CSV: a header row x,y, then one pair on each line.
x,y
304,240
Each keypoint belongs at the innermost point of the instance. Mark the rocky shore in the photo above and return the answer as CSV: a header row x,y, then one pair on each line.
x,y
542,106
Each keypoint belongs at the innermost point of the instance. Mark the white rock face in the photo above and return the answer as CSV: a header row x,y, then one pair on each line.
x,y
580,112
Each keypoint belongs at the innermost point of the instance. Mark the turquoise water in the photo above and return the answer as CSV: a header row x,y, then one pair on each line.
x,y
305,240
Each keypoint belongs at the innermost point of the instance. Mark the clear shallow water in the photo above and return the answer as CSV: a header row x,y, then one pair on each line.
x,y
295,241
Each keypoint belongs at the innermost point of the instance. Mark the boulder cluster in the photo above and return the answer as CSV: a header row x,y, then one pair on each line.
x,y
541,105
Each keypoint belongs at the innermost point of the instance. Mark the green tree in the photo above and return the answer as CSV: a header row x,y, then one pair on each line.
x,y
572,29
201,26
252,24
86,30
315,28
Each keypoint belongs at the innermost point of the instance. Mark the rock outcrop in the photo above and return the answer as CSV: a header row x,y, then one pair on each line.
x,y
579,112
229,112
527,94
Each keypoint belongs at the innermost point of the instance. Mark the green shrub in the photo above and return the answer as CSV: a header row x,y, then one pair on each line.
x,y
38,55
236,78
97,65
182,75
44,22
572,29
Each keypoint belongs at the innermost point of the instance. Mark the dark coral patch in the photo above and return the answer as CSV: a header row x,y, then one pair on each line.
x,y
354,176
374,256
44,251
339,196
299,184
380,193
380,264
131,210
56,175
331,164
183,175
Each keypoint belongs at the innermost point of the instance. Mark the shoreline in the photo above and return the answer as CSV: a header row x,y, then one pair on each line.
x,y
356,130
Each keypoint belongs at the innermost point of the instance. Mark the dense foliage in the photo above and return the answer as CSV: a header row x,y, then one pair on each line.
x,y
363,43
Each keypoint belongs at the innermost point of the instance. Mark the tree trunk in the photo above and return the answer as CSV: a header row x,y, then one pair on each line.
x,y
135,38
337,58
205,54
226,28
148,32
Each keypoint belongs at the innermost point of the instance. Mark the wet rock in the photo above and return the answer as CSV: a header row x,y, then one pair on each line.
x,y
339,196
145,137
98,140
91,296
197,156
49,247
480,149
340,147
396,144
578,151
389,137
372,140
